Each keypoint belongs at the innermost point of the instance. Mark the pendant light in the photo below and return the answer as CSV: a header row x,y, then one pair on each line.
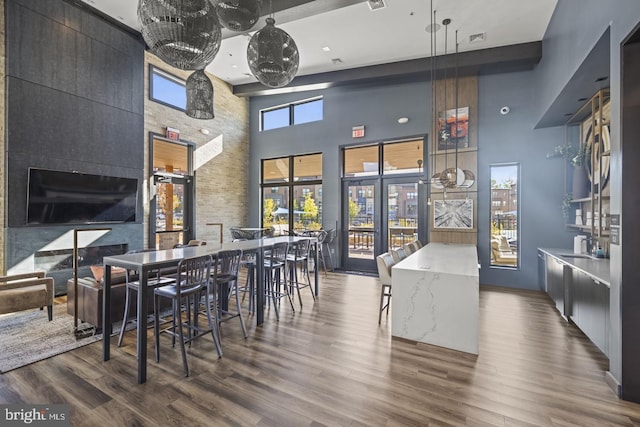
x,y
238,15
273,55
185,34
452,177
199,96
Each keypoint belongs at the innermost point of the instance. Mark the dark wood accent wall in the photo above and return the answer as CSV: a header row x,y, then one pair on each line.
x,y
467,158
630,229
75,101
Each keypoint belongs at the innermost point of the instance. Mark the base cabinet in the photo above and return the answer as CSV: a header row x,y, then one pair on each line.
x,y
590,311
556,285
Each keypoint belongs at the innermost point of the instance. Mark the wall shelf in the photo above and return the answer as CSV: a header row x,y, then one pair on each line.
x,y
589,124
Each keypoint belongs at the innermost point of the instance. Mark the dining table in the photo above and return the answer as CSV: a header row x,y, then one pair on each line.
x,y
146,262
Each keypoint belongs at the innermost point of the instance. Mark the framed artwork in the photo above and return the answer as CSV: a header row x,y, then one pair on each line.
x,y
453,214
453,129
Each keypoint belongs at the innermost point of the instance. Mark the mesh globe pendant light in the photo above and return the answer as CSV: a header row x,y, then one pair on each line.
x,y
183,33
273,56
238,15
199,96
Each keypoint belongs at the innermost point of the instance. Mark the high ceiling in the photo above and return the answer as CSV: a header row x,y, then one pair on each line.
x,y
358,36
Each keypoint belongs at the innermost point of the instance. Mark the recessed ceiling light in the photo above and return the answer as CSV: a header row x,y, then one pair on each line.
x,y
582,99
234,66
478,37
569,114
326,49
377,4
601,79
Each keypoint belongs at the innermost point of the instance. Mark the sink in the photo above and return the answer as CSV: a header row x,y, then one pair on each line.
x,y
577,256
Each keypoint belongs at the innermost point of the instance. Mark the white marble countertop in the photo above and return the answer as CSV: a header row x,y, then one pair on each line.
x,y
436,297
597,268
446,258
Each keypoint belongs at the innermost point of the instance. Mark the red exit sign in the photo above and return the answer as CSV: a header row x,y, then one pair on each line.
x,y
357,132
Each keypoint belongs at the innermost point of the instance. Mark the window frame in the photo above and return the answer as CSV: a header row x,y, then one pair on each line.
x,y
291,108
153,70
516,205
290,184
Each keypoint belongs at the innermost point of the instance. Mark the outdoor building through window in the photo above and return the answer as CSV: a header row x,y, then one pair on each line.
x,y
292,193
504,215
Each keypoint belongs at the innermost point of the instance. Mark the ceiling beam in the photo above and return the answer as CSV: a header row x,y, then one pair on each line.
x,y
292,10
511,58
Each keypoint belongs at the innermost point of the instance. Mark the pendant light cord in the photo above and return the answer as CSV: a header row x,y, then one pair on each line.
x,y
456,123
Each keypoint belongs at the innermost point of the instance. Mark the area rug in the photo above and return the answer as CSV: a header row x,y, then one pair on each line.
x,y
28,336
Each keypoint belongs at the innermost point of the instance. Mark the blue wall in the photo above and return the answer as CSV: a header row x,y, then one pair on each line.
x,y
575,28
502,139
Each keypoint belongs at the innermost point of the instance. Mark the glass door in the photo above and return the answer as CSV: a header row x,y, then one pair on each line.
x,y
361,236
403,213
171,212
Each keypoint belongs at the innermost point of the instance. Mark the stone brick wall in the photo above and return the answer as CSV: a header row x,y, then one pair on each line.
x,y
221,182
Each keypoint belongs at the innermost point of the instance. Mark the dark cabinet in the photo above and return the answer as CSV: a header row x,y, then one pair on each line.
x,y
556,288
542,271
591,309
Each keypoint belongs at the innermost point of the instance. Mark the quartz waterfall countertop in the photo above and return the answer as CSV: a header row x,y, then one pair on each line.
x,y
436,297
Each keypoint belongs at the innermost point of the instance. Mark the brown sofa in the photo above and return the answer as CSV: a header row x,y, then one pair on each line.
x,y
26,291
90,297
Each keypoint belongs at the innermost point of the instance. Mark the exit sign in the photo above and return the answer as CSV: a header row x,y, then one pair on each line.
x,y
173,134
357,132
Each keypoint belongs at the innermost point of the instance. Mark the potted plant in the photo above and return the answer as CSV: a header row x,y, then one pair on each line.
x,y
580,184
566,206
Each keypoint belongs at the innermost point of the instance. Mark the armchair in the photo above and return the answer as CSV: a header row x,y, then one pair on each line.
x,y
26,291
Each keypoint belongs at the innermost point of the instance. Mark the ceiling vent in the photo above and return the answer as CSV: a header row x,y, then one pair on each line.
x,y
376,4
479,37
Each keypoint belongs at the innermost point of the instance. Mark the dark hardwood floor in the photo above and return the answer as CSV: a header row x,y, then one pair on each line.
x,y
331,364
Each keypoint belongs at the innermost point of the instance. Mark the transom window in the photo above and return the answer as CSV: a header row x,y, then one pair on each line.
x,y
296,113
389,158
167,89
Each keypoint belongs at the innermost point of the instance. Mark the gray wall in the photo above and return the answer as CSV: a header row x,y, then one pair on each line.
x,y
502,139
74,102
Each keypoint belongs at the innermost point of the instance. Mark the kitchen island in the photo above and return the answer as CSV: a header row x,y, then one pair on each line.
x,y
436,297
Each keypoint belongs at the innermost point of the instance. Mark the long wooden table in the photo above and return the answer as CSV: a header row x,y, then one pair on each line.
x,y
146,262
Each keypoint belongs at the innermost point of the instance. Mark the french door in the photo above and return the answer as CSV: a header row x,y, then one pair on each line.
x,y
172,211
380,215
361,216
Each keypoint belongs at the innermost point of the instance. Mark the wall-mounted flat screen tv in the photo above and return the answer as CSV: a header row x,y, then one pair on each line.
x,y
56,197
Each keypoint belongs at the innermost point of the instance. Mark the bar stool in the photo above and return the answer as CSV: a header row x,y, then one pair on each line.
x,y
408,248
300,257
325,246
397,255
384,263
226,265
193,277
132,286
275,269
